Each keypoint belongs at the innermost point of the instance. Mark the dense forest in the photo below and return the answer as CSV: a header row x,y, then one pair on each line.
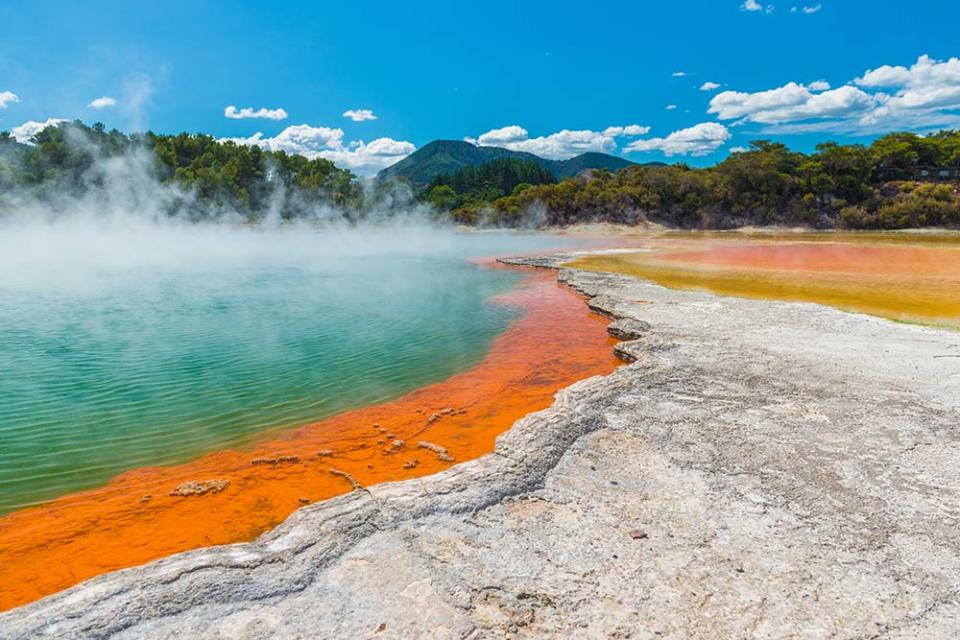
x,y
479,185
901,180
212,177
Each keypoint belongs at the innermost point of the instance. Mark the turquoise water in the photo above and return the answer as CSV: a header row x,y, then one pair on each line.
x,y
143,346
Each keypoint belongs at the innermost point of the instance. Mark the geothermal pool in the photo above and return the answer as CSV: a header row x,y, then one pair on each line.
x,y
150,346
264,369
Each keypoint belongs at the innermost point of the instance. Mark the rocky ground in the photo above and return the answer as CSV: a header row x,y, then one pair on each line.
x,y
762,470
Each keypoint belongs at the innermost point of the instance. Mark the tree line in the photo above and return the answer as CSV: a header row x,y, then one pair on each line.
x,y
474,186
212,176
898,181
892,183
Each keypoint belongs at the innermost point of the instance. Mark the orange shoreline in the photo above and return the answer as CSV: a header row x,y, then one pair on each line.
x,y
134,519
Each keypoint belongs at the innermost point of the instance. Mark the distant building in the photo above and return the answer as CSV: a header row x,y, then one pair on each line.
x,y
936,174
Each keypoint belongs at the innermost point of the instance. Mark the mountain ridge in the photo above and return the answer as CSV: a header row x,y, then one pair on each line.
x,y
441,157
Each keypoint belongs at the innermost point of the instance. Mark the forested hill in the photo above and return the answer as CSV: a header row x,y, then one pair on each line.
x,y
211,177
899,181
444,157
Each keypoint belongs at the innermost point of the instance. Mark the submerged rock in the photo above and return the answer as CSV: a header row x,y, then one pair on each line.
x,y
274,461
348,477
194,488
442,453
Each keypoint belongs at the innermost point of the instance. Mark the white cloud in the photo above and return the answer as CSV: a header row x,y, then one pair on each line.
x,y
929,78
808,9
679,74
923,96
709,86
754,6
248,112
790,103
100,103
671,107
560,145
506,135
301,139
359,115
367,159
8,97
698,140
885,76
629,130
323,142
739,149
928,91
25,132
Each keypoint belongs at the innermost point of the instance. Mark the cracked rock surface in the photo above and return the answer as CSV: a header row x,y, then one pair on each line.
x,y
761,470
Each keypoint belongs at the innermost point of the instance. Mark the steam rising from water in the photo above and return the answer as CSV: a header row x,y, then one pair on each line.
x,y
131,334
78,254
119,218
129,338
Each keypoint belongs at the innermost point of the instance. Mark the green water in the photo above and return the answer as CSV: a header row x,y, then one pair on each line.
x,y
143,346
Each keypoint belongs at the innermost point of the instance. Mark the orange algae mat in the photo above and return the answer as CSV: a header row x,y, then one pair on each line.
x,y
911,282
234,496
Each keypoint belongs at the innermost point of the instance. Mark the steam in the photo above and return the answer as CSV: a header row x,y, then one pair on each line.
x,y
85,255
79,234
137,91
119,220
127,189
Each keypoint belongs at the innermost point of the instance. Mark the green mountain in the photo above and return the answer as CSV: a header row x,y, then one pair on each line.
x,y
442,157
592,160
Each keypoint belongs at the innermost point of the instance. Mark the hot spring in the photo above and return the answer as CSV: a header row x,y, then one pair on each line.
x,y
126,345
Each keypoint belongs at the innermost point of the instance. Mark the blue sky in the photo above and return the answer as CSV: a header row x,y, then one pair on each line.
x,y
551,77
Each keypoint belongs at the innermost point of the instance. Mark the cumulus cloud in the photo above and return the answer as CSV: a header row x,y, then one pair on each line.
x,y
739,149
323,142
671,107
698,140
8,97
930,77
926,92
679,74
25,132
101,102
753,5
249,112
560,145
629,130
790,103
923,95
359,115
300,139
367,159
808,9
709,86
